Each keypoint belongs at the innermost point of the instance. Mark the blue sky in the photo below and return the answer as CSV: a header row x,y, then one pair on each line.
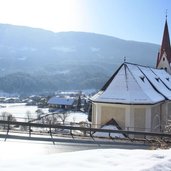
x,y
138,20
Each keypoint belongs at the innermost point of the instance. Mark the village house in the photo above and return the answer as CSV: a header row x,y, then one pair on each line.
x,y
61,103
137,97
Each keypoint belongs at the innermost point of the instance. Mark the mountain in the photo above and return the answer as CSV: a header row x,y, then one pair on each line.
x,y
36,60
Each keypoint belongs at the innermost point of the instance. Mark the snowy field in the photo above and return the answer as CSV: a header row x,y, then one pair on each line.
x,y
34,156
20,110
24,156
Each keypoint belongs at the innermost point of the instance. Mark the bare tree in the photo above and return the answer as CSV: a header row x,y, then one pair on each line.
x,y
28,116
63,116
39,113
6,116
27,119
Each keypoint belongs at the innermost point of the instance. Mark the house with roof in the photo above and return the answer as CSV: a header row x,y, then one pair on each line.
x,y
137,97
61,103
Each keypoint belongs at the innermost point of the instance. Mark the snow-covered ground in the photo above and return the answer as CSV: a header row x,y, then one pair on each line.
x,y
19,156
77,117
20,110
34,156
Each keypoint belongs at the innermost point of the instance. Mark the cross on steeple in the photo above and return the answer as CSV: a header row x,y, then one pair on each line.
x,y
124,58
166,14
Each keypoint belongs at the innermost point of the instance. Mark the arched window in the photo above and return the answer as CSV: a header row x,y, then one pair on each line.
x,y
156,123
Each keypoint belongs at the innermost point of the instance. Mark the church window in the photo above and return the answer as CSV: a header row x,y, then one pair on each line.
x,y
163,59
156,122
157,79
142,78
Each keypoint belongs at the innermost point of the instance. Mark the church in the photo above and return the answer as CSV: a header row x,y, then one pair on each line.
x,y
137,97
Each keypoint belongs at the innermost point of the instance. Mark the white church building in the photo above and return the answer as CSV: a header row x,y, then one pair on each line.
x,y
137,97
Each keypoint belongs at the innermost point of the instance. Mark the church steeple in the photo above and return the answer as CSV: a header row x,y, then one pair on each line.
x,y
164,56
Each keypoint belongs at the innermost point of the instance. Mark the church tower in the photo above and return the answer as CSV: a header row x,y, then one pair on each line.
x,y
164,56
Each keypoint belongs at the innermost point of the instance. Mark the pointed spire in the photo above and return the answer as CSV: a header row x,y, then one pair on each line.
x,y
165,50
165,47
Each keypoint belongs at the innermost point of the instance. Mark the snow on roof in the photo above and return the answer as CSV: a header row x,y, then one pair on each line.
x,y
61,101
112,125
165,78
135,84
156,81
106,135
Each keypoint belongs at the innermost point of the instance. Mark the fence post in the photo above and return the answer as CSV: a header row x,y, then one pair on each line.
x,y
50,131
30,130
8,127
90,131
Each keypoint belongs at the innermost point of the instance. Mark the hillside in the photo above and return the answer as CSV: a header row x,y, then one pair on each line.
x,y
35,60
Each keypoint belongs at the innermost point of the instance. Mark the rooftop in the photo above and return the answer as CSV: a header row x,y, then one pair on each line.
x,y
135,84
61,101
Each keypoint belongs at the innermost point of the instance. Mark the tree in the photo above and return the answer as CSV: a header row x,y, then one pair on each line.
x,y
6,116
63,116
39,113
27,119
79,103
28,116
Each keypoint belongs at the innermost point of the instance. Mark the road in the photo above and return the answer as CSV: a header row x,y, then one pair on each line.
x,y
70,144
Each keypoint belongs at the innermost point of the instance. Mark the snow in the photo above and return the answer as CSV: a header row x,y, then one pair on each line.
x,y
105,134
61,101
164,76
18,109
17,156
77,117
135,84
158,84
145,84
133,91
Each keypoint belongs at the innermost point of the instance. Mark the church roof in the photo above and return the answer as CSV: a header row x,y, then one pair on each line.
x,y
135,84
165,46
